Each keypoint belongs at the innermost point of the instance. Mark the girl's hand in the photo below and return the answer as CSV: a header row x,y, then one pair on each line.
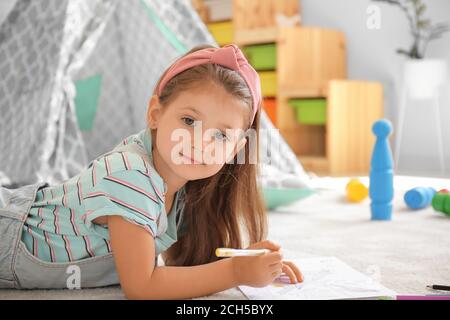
x,y
289,268
292,271
260,271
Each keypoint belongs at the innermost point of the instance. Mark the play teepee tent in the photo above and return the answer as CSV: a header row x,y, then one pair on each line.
x,y
76,77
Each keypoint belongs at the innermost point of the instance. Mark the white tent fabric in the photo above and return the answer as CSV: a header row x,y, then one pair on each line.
x,y
50,48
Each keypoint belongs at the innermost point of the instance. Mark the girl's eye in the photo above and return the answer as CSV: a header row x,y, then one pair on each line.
x,y
188,121
221,135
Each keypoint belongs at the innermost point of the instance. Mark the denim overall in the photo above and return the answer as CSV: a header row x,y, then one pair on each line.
x,y
22,270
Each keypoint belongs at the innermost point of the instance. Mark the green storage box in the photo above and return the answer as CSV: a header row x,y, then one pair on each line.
x,y
262,57
310,111
275,197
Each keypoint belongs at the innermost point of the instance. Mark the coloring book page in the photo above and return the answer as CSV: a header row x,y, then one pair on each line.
x,y
325,278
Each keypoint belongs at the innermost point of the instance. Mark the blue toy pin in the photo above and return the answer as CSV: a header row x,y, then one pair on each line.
x,y
381,189
419,198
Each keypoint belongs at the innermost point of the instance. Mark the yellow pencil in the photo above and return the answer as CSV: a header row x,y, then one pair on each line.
x,y
229,252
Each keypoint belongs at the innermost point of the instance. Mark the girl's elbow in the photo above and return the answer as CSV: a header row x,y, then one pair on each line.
x,y
139,294
138,291
134,295
131,295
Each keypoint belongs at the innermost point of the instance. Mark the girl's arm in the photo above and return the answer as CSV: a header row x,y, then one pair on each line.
x,y
134,254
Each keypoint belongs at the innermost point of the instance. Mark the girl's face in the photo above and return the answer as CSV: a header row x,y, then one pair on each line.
x,y
199,131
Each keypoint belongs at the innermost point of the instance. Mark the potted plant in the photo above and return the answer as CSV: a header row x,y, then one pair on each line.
x,y
422,76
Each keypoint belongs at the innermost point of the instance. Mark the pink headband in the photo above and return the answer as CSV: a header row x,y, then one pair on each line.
x,y
229,56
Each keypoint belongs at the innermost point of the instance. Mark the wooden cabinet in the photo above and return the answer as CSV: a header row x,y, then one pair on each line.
x,y
352,108
257,14
255,21
308,58
343,146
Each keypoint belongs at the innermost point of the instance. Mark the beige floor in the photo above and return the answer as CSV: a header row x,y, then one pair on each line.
x,y
407,253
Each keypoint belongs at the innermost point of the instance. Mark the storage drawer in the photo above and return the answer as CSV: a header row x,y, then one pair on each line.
x,y
262,57
222,32
310,111
270,106
268,83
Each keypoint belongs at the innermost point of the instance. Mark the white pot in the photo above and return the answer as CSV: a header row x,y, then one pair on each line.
x,y
424,77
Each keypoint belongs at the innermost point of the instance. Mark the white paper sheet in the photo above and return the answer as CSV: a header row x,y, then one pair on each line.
x,y
324,278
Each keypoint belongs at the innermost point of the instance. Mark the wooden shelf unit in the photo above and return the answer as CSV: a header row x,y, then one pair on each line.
x,y
311,63
255,21
352,108
262,14
303,73
256,36
342,146
308,58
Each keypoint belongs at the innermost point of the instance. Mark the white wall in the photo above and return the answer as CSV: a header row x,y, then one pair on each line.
x,y
371,56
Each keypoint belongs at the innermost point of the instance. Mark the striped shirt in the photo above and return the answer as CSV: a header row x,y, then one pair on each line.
x,y
59,227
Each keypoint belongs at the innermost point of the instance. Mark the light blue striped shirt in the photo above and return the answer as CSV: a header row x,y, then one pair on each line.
x,y
59,227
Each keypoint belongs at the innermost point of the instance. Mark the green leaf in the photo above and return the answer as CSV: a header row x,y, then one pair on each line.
x,y
423,24
421,9
404,52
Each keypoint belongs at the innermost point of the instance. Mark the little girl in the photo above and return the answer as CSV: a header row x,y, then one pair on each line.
x,y
154,194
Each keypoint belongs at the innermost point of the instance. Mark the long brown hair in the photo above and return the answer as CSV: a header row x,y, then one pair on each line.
x,y
220,210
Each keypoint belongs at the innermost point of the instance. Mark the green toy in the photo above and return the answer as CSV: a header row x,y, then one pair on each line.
x,y
441,203
275,197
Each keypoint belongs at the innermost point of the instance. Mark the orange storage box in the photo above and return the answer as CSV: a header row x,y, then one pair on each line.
x,y
270,106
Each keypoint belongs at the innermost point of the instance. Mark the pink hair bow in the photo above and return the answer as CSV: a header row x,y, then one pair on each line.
x,y
229,56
